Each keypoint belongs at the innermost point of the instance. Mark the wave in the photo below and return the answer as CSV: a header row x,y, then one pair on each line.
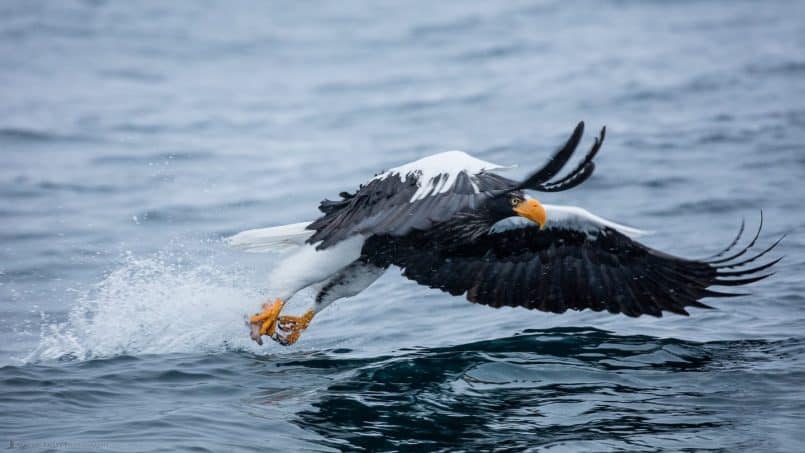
x,y
539,389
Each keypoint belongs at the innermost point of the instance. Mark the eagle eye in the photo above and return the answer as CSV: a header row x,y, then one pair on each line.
x,y
515,201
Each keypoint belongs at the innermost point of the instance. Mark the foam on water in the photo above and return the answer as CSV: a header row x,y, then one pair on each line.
x,y
153,306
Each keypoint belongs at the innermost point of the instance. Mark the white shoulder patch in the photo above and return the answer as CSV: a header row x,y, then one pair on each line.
x,y
571,217
582,219
429,171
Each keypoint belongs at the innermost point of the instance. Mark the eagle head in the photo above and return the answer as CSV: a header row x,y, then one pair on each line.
x,y
516,203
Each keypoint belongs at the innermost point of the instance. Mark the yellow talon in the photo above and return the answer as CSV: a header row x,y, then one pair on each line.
x,y
292,327
265,323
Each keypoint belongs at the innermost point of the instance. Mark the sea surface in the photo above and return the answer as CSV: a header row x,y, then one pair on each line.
x,y
134,136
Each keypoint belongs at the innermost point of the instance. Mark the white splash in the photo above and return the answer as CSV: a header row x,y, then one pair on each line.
x,y
429,169
152,306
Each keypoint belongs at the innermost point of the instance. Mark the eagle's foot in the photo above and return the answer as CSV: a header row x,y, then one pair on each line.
x,y
291,327
265,323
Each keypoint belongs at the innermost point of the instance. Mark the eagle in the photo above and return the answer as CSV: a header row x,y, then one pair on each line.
x,y
449,222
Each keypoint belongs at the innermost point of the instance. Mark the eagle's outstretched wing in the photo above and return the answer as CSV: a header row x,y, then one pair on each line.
x,y
578,262
421,194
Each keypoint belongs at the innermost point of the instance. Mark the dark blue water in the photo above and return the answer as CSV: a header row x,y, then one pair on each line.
x,y
134,135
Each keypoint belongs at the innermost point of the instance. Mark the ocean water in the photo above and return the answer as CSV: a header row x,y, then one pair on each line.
x,y
135,135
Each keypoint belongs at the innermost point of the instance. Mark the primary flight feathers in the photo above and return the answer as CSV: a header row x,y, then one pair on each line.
x,y
539,179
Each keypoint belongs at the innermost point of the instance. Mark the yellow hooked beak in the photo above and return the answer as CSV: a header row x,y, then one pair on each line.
x,y
532,210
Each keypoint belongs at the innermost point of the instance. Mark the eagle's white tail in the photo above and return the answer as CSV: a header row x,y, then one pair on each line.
x,y
274,239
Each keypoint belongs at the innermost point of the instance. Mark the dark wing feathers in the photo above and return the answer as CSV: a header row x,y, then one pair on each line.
x,y
555,164
385,206
539,180
558,269
388,205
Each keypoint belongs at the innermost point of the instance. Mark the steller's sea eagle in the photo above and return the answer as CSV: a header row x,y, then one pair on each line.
x,y
450,223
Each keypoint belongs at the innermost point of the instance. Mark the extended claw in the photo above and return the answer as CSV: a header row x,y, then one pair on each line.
x,y
265,323
292,327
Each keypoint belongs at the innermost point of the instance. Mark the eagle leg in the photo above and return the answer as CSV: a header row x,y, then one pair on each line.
x,y
292,327
265,323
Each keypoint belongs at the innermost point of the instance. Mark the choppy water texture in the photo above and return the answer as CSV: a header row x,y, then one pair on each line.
x,y
134,135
